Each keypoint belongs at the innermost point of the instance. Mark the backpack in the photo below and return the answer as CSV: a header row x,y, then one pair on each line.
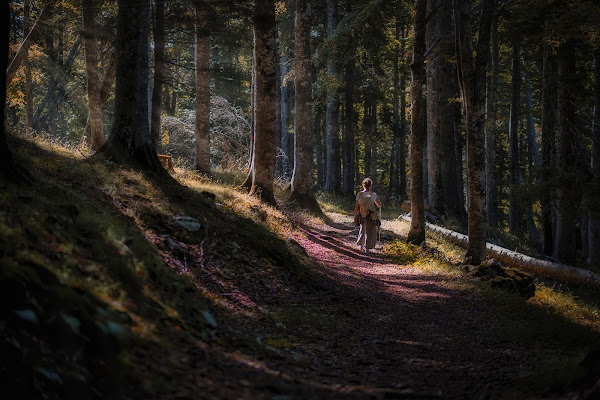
x,y
367,206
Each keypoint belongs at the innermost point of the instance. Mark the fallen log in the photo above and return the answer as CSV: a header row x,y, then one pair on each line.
x,y
549,269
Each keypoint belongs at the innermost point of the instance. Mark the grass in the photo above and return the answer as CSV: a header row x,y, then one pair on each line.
x,y
91,241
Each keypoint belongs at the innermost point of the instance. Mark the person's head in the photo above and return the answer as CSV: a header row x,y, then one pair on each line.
x,y
367,183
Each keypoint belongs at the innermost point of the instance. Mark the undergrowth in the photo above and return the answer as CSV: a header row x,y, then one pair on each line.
x,y
94,259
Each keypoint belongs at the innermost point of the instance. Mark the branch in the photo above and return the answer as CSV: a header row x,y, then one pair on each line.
x,y
27,42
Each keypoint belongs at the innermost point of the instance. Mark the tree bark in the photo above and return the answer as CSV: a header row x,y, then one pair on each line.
x,y
433,109
28,86
160,72
394,159
106,86
564,241
460,147
6,161
473,80
533,158
416,234
318,132
549,122
130,141
349,117
202,59
594,212
96,138
302,176
263,163
373,145
450,187
491,190
283,104
332,177
402,191
516,217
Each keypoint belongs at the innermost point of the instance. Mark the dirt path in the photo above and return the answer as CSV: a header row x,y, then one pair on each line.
x,y
390,331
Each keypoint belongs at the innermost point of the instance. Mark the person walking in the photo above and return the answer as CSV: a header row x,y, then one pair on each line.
x,y
365,215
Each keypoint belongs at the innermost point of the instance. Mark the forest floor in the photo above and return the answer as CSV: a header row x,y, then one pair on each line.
x,y
120,284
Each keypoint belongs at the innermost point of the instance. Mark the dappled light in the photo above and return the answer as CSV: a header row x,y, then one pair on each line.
x,y
279,200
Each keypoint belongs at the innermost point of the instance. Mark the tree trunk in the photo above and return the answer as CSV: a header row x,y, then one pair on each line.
x,y
348,150
6,162
564,241
332,177
160,72
491,190
202,58
319,129
263,163
516,217
368,109
473,79
533,158
96,138
549,122
130,140
285,167
373,145
402,191
394,162
460,148
349,117
249,178
28,89
594,212
108,81
302,177
434,183
416,234
450,188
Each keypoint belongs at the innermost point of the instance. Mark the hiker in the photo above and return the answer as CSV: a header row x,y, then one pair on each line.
x,y
366,216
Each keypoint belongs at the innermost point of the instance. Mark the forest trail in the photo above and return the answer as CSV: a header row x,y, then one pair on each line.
x,y
243,312
402,332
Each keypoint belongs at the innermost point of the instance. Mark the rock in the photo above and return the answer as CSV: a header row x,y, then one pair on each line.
x,y
27,315
173,245
209,319
188,223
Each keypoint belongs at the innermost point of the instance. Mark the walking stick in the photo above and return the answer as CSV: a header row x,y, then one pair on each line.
x,y
379,230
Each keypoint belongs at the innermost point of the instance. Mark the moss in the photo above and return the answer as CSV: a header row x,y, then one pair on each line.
x,y
403,252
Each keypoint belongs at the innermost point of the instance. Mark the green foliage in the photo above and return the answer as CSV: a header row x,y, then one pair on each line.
x,y
403,252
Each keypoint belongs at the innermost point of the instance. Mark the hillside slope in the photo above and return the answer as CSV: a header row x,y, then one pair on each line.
x,y
119,284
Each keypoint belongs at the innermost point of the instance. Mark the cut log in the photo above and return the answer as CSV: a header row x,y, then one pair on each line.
x,y
549,269
167,162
